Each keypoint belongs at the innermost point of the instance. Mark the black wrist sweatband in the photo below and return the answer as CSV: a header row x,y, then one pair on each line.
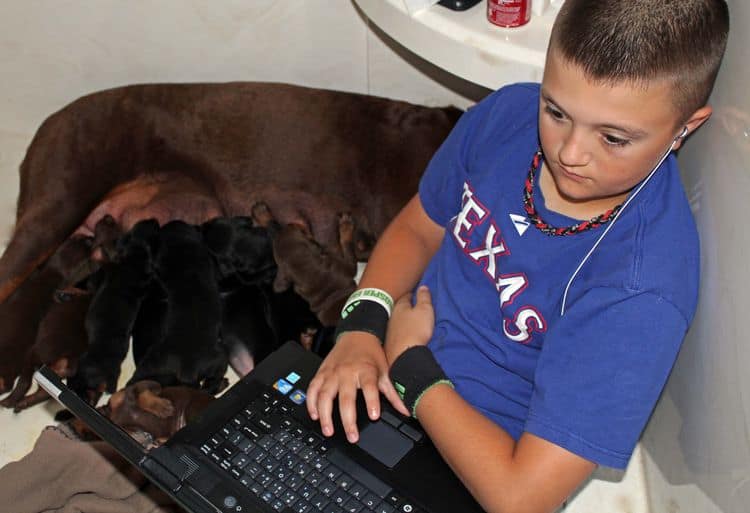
x,y
365,316
413,373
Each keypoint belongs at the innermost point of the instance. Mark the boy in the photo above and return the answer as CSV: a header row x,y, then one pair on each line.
x,y
553,232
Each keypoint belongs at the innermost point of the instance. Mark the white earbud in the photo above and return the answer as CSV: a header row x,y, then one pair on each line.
x,y
682,135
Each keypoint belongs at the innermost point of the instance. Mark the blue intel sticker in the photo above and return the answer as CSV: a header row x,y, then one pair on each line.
x,y
297,397
293,377
283,386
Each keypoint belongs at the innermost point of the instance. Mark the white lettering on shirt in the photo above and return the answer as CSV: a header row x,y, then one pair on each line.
x,y
527,319
471,214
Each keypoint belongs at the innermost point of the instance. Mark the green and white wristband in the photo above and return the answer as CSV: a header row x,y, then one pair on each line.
x,y
413,373
366,310
378,296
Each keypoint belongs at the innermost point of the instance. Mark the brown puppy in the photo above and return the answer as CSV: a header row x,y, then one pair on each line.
x,y
23,313
147,407
322,277
161,412
309,153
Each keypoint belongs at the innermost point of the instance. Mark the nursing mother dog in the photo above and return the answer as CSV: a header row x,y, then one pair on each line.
x,y
556,260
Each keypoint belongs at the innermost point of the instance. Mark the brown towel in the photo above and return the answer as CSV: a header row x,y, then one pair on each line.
x,y
65,475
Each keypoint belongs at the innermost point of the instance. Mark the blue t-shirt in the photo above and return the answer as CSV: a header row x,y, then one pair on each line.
x,y
586,380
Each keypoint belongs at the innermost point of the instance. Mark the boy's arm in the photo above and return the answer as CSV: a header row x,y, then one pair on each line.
x,y
504,476
528,476
357,361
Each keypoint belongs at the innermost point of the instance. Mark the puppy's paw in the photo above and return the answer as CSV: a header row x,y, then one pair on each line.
x,y
346,227
261,214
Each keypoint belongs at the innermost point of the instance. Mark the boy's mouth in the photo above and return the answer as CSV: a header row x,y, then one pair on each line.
x,y
572,176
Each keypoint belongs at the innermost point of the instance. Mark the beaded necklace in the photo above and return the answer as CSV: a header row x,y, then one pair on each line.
x,y
536,220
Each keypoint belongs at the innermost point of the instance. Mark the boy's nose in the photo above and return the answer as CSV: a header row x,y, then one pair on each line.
x,y
573,151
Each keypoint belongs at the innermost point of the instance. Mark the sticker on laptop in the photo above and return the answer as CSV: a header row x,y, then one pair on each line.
x,y
298,396
283,386
293,377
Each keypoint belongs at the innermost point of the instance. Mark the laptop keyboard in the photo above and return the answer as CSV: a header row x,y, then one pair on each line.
x,y
294,469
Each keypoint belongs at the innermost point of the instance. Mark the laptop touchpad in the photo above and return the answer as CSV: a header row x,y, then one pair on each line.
x,y
384,443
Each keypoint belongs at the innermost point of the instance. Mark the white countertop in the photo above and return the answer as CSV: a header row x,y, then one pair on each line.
x,y
465,43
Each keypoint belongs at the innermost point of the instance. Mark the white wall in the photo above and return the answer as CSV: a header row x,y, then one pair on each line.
x,y
697,445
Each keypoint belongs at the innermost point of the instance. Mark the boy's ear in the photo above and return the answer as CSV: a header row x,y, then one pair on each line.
x,y
694,121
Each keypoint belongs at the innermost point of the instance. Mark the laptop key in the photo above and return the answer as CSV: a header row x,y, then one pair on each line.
x,y
412,433
302,507
241,460
294,482
339,496
384,507
357,491
344,481
390,418
361,474
327,487
353,506
319,500
307,491
370,500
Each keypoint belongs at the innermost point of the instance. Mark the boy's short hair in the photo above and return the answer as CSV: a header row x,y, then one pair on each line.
x,y
643,40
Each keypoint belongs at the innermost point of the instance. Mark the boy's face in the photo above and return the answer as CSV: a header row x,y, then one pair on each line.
x,y
599,140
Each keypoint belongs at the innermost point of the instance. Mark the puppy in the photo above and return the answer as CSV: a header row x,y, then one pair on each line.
x,y
189,353
148,407
119,289
60,340
24,312
321,277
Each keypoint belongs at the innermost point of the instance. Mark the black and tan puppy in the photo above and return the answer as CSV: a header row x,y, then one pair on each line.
x,y
190,352
119,289
253,318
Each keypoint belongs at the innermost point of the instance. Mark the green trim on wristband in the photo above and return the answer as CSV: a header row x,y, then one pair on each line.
x,y
438,382
378,296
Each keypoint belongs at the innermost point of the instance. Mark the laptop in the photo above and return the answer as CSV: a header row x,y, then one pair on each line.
x,y
255,449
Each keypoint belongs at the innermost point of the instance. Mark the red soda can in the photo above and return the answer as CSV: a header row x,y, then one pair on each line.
x,y
509,13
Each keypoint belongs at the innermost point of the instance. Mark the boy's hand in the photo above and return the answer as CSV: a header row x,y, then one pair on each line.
x,y
409,325
357,361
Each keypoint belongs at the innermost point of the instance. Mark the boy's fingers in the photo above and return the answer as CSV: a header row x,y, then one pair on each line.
x,y
371,393
423,296
348,410
325,407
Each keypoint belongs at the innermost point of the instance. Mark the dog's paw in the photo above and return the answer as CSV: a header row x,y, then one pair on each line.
x,y
261,214
346,227
92,380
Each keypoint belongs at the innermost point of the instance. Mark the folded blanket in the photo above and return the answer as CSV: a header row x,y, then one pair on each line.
x,y
65,475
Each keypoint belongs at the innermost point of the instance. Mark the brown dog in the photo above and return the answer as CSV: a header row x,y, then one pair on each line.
x,y
200,150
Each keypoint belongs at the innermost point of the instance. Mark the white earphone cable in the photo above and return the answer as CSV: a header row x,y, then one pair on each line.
x,y
612,223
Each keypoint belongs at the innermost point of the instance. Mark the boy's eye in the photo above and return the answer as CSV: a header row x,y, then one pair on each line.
x,y
615,141
554,113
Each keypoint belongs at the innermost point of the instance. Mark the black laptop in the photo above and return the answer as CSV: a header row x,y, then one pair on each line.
x,y
255,449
